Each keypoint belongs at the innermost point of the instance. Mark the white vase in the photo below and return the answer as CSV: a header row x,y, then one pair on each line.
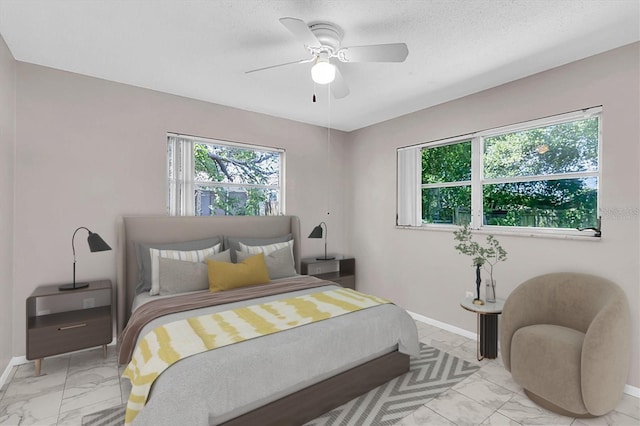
x,y
490,291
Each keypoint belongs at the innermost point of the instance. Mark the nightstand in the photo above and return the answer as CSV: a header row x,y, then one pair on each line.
x,y
65,321
341,270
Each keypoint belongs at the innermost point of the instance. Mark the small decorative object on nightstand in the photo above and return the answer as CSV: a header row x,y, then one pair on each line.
x,y
60,321
341,270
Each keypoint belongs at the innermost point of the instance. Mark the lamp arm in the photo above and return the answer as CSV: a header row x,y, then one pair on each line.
x,y
73,249
326,231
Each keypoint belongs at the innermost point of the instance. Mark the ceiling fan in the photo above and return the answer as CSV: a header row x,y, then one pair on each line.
x,y
322,41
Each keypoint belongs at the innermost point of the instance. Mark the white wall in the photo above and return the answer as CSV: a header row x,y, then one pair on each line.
x,y
7,142
89,151
421,271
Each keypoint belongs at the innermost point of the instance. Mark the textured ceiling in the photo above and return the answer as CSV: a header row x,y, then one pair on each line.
x,y
201,49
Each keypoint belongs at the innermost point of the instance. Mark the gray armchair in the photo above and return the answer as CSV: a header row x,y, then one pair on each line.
x,y
566,339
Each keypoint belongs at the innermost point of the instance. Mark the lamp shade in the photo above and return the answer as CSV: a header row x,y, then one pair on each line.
x,y
96,243
316,233
323,72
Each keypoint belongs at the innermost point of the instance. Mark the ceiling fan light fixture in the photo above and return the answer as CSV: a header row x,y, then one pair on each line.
x,y
323,72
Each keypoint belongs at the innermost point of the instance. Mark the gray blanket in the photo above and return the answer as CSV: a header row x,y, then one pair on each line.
x,y
216,386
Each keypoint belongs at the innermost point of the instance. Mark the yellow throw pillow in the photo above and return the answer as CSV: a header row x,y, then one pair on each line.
x,y
225,276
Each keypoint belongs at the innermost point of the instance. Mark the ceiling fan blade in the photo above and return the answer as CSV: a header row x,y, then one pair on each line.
x,y
339,87
301,61
394,52
300,31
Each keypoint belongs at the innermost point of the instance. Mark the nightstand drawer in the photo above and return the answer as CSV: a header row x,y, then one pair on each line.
x,y
52,339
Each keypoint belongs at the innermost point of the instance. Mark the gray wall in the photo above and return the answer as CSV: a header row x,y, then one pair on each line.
x,y
421,271
7,143
89,151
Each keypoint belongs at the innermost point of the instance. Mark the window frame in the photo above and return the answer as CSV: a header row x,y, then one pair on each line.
x,y
181,202
478,181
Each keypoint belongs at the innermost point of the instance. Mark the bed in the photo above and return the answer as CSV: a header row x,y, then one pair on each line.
x,y
285,378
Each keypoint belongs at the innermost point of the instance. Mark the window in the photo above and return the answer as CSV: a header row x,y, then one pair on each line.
x,y
542,174
446,183
209,178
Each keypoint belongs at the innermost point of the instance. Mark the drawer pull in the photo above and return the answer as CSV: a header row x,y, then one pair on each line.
x,y
72,326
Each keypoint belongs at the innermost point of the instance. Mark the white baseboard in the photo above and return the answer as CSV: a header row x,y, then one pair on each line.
x,y
443,325
628,389
632,390
16,360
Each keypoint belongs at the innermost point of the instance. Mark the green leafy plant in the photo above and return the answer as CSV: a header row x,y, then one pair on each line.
x,y
487,256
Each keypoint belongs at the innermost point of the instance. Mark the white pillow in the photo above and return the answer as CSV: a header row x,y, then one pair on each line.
x,y
189,256
268,249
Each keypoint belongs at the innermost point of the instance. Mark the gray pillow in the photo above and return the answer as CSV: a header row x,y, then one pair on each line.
x,y
279,263
144,258
224,256
233,243
179,276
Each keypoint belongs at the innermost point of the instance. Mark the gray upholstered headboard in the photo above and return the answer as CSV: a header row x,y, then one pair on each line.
x,y
167,229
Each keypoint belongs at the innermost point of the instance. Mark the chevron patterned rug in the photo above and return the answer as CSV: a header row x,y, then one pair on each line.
x,y
430,375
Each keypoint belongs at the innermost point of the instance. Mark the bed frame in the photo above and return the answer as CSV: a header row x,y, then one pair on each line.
x,y
299,407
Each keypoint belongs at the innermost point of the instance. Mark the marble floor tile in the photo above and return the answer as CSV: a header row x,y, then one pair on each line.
x,y
444,340
459,409
424,416
483,391
526,412
74,417
93,358
33,386
426,329
10,419
49,421
497,419
79,395
630,406
613,418
41,408
87,374
468,351
495,372
50,366
497,362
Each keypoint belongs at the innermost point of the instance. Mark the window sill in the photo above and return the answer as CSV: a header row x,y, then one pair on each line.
x,y
505,232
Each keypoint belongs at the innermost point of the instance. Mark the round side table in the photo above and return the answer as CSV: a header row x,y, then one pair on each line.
x,y
487,321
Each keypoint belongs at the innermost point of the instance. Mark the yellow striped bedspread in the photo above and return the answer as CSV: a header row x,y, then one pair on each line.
x,y
180,339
